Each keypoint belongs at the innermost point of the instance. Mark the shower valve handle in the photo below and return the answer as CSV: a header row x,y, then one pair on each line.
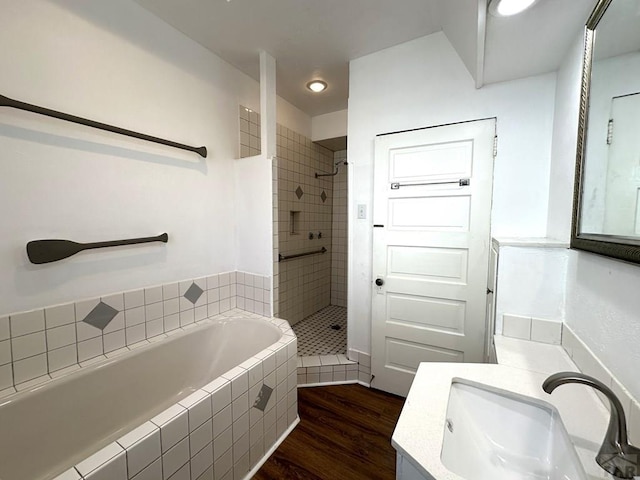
x,y
379,282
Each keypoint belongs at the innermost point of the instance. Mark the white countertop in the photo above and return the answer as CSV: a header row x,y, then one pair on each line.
x,y
539,242
522,368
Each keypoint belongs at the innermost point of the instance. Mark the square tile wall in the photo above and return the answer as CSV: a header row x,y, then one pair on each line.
x,y
339,232
250,137
535,329
276,240
308,284
42,344
331,369
304,284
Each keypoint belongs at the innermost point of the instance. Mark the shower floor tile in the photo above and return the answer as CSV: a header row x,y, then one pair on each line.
x,y
318,335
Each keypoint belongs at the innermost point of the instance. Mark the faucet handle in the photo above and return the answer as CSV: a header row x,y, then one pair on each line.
x,y
616,456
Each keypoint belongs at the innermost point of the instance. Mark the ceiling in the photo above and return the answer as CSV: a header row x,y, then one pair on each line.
x,y
316,39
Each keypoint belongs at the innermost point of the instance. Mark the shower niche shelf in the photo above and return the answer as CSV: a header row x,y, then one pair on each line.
x,y
294,222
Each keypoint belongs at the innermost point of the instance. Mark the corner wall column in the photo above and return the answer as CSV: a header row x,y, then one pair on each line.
x,y
268,104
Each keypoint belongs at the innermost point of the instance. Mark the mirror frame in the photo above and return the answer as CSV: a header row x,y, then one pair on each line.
x,y
623,248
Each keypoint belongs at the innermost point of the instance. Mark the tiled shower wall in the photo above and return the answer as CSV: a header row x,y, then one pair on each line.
x,y
339,233
305,207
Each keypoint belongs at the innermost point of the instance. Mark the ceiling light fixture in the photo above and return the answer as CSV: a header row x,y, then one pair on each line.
x,y
506,8
317,86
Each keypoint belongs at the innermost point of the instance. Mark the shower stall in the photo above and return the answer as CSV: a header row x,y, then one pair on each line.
x,y
310,240
312,243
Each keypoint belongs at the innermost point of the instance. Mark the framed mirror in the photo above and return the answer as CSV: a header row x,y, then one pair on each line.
x,y
606,207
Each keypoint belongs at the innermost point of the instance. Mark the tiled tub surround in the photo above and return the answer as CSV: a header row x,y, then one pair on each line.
x,y
229,384
39,345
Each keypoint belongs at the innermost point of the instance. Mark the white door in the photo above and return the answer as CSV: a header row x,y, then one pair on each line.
x,y
431,241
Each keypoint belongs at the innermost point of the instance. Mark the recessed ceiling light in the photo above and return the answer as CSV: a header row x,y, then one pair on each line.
x,y
506,8
317,86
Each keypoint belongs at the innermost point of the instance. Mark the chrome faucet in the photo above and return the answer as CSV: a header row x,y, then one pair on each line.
x,y
617,456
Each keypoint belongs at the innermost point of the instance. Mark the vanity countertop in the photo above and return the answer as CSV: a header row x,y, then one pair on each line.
x,y
522,367
538,242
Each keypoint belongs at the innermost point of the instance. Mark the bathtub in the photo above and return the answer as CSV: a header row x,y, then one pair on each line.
x,y
91,423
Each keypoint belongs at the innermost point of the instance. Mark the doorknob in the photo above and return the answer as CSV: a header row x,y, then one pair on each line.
x,y
379,282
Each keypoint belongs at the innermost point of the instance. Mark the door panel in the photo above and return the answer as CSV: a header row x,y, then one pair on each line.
x,y
434,314
430,249
433,264
430,213
405,356
431,163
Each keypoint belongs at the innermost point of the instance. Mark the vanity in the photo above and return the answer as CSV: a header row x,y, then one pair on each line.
x,y
427,419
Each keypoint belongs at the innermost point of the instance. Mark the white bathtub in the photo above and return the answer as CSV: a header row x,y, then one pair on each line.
x,y
55,426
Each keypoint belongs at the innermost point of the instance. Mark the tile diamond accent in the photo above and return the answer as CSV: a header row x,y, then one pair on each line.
x,y
193,293
299,192
263,397
323,196
100,316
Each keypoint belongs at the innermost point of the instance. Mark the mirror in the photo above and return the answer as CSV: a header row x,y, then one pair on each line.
x,y
606,217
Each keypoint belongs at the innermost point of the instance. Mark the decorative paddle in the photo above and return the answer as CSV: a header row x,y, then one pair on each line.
x,y
46,251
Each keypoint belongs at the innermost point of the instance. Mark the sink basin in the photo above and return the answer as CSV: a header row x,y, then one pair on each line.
x,y
498,435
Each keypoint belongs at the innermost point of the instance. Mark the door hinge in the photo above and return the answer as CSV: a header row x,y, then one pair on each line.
x,y
610,132
495,146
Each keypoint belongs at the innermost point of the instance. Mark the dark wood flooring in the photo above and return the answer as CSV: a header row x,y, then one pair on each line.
x,y
344,434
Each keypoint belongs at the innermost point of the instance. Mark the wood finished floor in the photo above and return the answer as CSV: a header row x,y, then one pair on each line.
x,y
344,434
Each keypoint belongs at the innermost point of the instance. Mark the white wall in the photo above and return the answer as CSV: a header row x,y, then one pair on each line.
x,y
292,117
563,151
116,63
329,125
602,309
602,301
422,83
531,283
254,215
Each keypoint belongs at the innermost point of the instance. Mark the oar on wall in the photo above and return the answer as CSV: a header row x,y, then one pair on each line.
x,y
47,251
